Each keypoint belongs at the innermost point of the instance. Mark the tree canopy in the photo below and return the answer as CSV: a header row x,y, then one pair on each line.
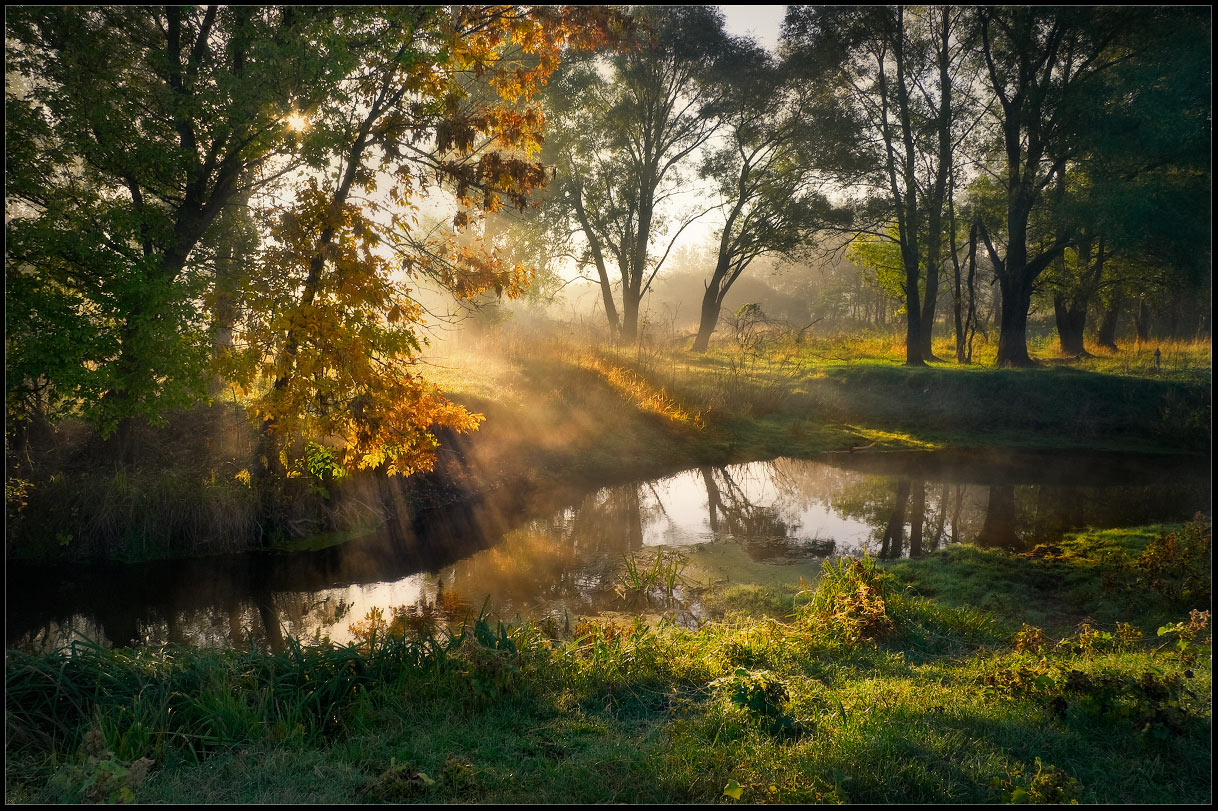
x,y
137,128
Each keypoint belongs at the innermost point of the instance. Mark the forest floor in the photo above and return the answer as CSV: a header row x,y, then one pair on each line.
x,y
1080,672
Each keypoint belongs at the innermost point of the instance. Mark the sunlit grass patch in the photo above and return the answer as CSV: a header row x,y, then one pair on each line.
x,y
889,439
1178,359
643,394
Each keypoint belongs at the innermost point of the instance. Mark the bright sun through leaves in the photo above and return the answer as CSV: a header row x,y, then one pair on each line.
x,y
297,122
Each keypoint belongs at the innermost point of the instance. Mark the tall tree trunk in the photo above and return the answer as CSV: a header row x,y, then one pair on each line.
x,y
721,279
630,317
1106,336
1070,310
598,258
1142,321
958,317
635,266
904,197
1016,277
711,307
929,301
1013,321
939,191
1071,318
970,319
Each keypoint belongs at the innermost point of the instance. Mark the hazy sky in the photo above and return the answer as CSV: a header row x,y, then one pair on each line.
x,y
760,22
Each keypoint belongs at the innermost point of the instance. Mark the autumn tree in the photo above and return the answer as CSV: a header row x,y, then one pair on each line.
x,y
440,105
130,130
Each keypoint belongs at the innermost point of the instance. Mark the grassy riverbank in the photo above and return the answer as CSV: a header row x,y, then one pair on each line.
x,y
973,675
585,408
572,413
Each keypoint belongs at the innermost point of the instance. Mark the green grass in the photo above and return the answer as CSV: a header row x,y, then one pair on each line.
x,y
587,412
894,683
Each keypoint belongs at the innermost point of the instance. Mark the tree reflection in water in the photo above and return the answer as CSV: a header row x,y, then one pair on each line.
x,y
999,529
439,566
762,529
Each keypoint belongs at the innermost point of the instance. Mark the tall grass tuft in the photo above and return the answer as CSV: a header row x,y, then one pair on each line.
x,y
851,600
662,573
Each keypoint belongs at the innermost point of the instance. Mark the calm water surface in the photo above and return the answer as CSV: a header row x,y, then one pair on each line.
x,y
763,522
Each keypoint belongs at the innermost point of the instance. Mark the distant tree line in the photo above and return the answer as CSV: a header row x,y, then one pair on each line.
x,y
1059,154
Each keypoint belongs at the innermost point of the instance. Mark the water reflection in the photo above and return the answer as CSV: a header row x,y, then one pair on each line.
x,y
763,521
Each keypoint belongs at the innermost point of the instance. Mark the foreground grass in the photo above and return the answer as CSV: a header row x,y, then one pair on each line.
x,y
882,685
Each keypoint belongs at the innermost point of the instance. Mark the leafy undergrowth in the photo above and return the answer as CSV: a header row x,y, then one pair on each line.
x,y
865,691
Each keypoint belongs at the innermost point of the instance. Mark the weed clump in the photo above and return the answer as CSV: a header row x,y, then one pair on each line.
x,y
660,575
1029,638
1155,703
1177,565
851,602
399,783
97,776
1049,785
764,695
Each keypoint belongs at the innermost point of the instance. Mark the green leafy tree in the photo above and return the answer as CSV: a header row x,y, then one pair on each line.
x,y
621,139
764,169
134,128
881,60
1094,109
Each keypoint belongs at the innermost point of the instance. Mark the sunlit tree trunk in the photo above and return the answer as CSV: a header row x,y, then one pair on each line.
x,y
711,307
598,259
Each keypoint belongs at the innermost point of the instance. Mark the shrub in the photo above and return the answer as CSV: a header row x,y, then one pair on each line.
x,y
1177,565
851,600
